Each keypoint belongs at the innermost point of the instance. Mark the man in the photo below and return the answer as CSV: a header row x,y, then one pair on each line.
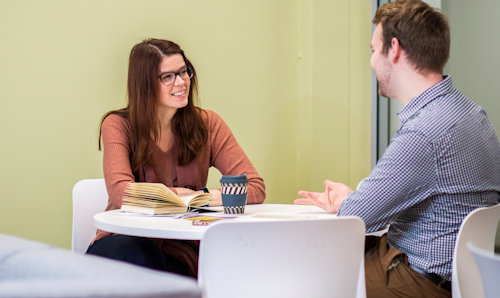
x,y
441,164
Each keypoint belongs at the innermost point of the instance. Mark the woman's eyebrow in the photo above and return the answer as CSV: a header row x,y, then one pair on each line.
x,y
162,72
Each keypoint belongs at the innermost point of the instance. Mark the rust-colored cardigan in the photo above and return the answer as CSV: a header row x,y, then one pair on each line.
x,y
221,151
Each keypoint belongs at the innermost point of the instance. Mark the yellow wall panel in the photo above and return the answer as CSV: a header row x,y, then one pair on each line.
x,y
287,76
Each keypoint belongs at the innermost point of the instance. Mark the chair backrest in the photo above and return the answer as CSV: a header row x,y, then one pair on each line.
x,y
488,264
89,198
479,228
283,258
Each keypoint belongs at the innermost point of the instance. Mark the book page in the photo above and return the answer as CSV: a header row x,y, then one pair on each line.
x,y
196,200
156,198
157,191
153,211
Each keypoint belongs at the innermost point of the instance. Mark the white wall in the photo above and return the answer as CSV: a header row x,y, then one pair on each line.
x,y
474,61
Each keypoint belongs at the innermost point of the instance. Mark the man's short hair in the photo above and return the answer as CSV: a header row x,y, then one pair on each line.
x,y
422,31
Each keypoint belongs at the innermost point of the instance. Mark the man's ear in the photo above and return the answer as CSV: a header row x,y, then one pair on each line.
x,y
395,50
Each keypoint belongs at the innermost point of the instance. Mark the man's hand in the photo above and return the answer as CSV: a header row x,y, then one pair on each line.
x,y
330,200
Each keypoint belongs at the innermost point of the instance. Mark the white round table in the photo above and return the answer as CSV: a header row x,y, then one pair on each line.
x,y
169,227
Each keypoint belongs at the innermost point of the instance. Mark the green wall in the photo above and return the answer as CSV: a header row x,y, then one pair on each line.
x,y
290,77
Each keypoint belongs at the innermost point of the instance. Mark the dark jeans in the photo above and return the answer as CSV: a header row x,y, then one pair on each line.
x,y
136,250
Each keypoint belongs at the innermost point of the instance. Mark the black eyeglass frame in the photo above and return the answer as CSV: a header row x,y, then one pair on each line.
x,y
188,69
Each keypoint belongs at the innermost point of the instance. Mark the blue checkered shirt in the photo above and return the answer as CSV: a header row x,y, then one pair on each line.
x,y
441,164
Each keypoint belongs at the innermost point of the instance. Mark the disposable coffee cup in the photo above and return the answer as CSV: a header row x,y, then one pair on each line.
x,y
234,193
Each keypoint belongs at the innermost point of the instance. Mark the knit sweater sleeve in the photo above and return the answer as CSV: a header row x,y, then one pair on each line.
x,y
230,159
116,158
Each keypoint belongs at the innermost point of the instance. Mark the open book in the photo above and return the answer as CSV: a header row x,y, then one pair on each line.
x,y
156,198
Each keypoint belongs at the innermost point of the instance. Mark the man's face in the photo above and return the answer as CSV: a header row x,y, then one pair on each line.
x,y
380,63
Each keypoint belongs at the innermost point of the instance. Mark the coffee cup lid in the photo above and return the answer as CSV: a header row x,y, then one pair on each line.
x,y
234,179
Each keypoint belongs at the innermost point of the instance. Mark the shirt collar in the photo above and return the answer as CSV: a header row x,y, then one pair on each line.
x,y
417,103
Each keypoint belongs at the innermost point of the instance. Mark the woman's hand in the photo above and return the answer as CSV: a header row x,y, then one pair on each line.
x,y
215,194
216,199
182,191
330,200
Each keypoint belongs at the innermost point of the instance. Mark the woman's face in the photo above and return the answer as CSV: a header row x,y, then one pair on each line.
x,y
173,95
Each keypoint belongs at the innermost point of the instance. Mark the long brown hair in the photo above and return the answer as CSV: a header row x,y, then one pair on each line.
x,y
422,31
141,111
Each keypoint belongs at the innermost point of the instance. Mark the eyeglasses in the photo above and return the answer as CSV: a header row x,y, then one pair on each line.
x,y
168,78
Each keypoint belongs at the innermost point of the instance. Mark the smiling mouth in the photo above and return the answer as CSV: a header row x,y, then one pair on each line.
x,y
179,93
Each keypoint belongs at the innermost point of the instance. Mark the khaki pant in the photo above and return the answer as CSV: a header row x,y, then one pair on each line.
x,y
389,275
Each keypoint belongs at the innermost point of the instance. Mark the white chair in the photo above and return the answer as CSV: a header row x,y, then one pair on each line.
x,y
89,198
488,264
479,228
283,258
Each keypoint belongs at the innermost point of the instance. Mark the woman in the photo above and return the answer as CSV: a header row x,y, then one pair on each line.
x,y
161,136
